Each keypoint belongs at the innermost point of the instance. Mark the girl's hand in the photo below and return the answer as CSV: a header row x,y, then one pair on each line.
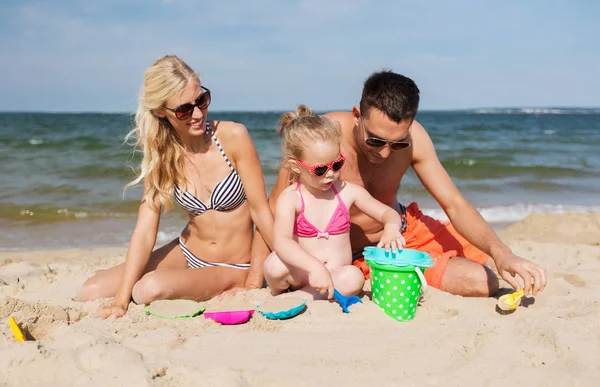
x,y
391,237
116,311
320,279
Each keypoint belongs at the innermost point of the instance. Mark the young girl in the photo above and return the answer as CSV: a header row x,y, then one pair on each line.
x,y
212,170
312,252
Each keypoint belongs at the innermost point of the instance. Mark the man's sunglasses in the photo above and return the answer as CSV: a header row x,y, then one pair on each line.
x,y
376,142
185,111
321,169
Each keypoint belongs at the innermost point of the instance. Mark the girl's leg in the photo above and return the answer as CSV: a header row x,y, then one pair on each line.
x,y
348,280
281,277
105,283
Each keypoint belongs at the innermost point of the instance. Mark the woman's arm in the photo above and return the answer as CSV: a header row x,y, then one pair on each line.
x,y
391,237
248,167
260,250
250,172
140,247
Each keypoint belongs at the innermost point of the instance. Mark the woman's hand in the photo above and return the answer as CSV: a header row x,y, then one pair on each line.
x,y
391,237
115,311
320,279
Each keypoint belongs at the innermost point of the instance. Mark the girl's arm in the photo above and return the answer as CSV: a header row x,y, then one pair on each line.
x,y
140,247
290,252
248,167
391,237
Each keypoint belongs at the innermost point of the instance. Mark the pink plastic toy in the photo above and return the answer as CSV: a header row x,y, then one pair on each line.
x,y
230,318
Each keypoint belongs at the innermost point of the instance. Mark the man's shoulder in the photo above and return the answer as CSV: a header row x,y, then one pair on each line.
x,y
339,115
345,119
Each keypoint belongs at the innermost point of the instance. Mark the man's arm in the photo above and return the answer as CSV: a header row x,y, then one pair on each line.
x,y
260,250
467,221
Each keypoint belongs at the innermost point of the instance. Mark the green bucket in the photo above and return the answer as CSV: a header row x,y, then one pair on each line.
x,y
396,289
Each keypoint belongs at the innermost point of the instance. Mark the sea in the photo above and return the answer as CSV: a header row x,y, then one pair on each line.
x,y
62,175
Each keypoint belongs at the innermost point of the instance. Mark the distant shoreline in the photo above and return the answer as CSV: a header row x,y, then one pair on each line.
x,y
476,110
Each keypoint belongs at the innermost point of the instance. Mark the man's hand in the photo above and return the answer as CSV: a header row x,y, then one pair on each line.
x,y
320,279
116,311
511,265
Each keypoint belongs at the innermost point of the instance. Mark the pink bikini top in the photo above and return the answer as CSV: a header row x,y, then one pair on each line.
x,y
338,224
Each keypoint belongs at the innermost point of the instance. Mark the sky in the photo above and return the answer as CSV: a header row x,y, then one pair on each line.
x,y
260,55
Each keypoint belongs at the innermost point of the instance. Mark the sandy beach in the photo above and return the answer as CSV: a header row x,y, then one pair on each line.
x,y
550,340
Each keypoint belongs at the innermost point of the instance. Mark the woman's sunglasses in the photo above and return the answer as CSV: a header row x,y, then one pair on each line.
x,y
185,111
321,169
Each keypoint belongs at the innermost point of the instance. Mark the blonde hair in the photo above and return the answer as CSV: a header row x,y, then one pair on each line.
x,y
162,164
302,128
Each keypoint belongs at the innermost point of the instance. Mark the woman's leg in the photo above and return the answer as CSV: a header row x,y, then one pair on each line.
x,y
193,284
105,283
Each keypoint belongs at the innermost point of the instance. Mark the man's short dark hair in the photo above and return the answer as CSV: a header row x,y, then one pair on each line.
x,y
393,94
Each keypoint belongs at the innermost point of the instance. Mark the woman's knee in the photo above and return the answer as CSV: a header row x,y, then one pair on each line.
x,y
149,288
90,290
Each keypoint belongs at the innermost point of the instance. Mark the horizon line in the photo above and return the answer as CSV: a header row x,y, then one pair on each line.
x,y
474,109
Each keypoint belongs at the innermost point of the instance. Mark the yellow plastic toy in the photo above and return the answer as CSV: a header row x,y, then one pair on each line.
x,y
16,331
509,302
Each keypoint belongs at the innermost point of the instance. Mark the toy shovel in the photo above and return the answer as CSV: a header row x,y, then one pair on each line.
x,y
344,301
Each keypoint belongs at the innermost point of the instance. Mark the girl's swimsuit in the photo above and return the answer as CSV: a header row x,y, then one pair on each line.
x,y
338,224
227,195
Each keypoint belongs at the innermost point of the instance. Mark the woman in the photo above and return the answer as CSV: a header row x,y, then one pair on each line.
x,y
213,171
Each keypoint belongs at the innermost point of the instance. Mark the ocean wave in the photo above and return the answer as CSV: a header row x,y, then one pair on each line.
x,y
471,168
516,212
537,111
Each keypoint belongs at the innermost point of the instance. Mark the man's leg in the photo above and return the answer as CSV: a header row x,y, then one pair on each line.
x,y
462,277
459,267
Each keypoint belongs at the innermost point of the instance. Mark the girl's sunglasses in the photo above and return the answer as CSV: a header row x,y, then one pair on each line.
x,y
321,169
185,111
376,142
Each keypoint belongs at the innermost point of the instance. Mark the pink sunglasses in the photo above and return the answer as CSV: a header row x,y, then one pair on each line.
x,y
321,169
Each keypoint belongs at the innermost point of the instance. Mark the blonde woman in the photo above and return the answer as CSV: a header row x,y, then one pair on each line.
x,y
212,170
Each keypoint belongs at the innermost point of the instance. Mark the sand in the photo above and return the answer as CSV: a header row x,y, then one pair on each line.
x,y
175,308
552,339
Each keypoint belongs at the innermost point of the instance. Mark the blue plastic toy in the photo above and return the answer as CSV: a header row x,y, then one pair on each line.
x,y
284,314
344,301
402,257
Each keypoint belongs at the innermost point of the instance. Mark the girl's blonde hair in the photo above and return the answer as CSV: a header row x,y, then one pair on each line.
x,y
302,128
162,163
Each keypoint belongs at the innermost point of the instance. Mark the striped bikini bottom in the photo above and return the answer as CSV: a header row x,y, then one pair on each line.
x,y
195,262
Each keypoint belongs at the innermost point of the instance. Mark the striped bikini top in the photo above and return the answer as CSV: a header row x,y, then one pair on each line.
x,y
227,195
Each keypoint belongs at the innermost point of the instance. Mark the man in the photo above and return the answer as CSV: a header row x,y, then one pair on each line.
x,y
381,139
